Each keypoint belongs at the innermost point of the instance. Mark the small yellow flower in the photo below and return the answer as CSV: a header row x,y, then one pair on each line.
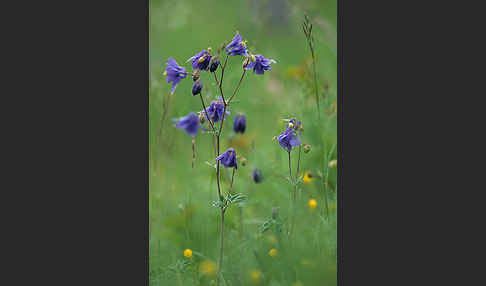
x,y
188,253
333,164
208,268
308,177
256,276
273,252
312,204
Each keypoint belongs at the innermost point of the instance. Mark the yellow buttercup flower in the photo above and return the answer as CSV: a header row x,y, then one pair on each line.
x,y
308,177
273,252
312,204
188,253
256,276
208,268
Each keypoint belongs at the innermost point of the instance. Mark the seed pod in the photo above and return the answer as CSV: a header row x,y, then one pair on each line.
x,y
307,148
202,117
195,75
246,62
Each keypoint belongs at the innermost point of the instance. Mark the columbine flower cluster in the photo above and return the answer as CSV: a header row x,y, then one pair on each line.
x,y
204,61
217,110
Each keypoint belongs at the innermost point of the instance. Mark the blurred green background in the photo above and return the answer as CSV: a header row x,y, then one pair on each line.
x,y
180,212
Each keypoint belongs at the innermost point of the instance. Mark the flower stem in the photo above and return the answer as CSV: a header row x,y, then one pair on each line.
x,y
232,178
206,112
238,86
193,151
221,248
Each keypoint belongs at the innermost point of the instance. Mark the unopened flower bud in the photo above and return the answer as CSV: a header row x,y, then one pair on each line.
x,y
210,49
333,164
307,148
214,65
252,58
196,88
243,161
257,175
274,138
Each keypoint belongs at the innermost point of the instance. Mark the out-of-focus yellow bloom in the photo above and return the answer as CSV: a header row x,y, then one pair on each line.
x,y
188,253
312,204
308,177
207,267
273,252
333,164
297,283
256,276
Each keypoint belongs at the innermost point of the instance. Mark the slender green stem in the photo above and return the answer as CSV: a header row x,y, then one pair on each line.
x,y
221,247
315,84
232,178
193,151
206,112
238,86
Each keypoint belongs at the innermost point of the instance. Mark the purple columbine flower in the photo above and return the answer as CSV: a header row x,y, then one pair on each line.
x,y
237,47
215,111
239,124
189,123
260,64
228,158
257,175
174,73
200,61
288,139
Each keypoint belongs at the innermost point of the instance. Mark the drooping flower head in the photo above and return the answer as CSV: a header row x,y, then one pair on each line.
x,y
237,47
200,61
259,64
174,73
257,175
196,88
239,124
214,64
215,110
189,123
288,139
228,158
